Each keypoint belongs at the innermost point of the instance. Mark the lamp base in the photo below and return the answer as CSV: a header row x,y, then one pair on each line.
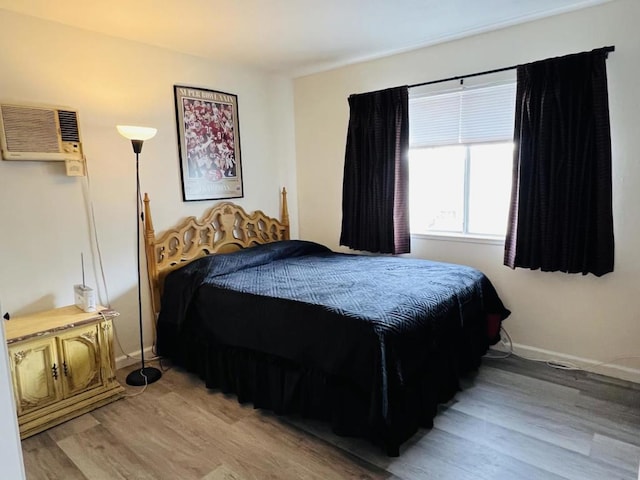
x,y
137,377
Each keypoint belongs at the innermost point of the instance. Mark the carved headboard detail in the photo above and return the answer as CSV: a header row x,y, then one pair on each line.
x,y
223,228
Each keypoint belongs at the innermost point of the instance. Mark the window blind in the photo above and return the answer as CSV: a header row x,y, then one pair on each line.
x,y
469,115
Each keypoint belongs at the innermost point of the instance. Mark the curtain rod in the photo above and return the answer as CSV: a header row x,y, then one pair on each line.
x,y
488,72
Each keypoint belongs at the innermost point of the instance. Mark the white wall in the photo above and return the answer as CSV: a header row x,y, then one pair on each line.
x,y
43,219
10,451
591,318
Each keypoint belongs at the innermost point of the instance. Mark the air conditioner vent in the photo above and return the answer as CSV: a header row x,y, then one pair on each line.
x,y
30,129
68,126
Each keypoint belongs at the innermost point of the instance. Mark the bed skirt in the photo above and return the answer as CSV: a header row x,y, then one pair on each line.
x,y
284,387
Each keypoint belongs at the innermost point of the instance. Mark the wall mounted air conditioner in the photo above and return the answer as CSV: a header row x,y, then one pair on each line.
x,y
35,132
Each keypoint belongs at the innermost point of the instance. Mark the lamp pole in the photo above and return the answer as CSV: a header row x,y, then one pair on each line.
x,y
144,375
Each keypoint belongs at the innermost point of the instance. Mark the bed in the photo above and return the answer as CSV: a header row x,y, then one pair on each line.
x,y
370,344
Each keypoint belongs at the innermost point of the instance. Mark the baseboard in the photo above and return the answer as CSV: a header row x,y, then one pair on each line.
x,y
611,369
133,358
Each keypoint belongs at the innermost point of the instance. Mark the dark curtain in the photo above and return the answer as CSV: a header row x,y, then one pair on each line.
x,y
375,186
561,216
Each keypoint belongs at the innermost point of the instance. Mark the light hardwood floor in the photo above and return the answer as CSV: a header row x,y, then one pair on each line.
x,y
515,420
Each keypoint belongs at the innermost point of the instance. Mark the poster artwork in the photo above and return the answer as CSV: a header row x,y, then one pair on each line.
x,y
209,140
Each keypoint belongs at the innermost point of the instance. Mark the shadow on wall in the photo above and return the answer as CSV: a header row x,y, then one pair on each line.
x,y
46,302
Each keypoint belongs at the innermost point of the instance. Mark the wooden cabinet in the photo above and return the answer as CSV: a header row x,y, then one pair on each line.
x,y
62,365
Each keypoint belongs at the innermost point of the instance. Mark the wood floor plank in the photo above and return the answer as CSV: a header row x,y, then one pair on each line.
x,y
43,459
481,462
567,408
612,419
222,473
72,427
317,457
191,387
259,443
98,454
547,420
615,452
218,439
555,460
534,387
145,426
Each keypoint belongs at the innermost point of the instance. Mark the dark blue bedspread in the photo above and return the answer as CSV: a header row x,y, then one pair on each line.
x,y
376,320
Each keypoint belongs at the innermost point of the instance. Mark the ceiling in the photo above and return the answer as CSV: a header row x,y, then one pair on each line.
x,y
292,37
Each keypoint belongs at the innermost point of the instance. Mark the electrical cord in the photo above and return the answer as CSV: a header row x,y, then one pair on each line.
x,y
506,354
144,388
128,355
557,364
141,370
93,230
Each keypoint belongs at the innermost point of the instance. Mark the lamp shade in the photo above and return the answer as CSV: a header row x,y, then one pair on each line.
x,y
136,133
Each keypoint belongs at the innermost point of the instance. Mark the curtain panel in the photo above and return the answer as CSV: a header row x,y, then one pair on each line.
x,y
375,202
561,207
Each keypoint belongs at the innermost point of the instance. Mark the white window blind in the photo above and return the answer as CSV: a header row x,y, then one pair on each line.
x,y
469,115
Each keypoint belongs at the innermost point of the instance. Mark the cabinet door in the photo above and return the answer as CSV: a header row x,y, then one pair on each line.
x,y
80,356
36,374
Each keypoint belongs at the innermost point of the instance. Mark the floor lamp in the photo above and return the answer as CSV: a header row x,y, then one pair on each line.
x,y
144,375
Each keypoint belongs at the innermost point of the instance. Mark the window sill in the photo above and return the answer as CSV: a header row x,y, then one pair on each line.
x,y
452,237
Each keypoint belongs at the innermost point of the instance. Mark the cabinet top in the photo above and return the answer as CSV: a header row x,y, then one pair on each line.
x,y
52,321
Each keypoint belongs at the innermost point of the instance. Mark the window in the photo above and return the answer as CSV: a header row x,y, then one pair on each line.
x,y
460,160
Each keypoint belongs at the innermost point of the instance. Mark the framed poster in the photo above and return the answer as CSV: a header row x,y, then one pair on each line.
x,y
209,143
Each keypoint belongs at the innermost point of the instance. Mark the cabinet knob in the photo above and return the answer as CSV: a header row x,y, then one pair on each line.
x,y
65,368
54,370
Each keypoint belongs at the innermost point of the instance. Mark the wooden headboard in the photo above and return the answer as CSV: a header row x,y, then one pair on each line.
x,y
223,228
